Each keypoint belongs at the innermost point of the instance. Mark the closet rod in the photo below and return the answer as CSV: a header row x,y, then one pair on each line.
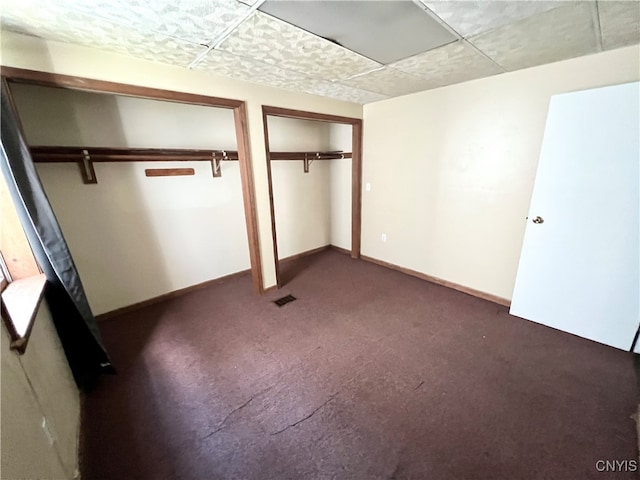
x,y
309,155
85,157
43,154
99,154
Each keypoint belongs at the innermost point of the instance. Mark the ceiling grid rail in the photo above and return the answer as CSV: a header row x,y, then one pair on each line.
x,y
453,31
226,33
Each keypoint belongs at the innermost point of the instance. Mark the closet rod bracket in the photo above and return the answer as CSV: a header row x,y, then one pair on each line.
x,y
86,168
216,163
308,161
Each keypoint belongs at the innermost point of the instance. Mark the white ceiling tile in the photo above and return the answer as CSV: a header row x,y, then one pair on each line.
x,y
196,21
558,34
272,41
384,31
388,81
224,63
453,63
340,92
474,17
81,29
228,65
619,23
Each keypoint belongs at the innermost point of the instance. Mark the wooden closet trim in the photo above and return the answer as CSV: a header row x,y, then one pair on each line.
x,y
46,79
304,115
356,171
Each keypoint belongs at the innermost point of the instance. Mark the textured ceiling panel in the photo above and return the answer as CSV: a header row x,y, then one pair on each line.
x,y
558,34
473,17
197,21
356,25
272,41
223,63
388,82
81,29
339,91
453,63
501,35
620,23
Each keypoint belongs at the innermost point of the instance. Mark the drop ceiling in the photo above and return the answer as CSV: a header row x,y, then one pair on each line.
x,y
382,31
359,51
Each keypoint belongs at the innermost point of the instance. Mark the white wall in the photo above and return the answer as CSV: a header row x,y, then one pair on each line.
x,y
340,187
452,169
36,54
35,386
301,200
134,237
55,116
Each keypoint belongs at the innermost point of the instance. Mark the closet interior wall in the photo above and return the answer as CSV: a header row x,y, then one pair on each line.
x,y
133,237
340,186
312,210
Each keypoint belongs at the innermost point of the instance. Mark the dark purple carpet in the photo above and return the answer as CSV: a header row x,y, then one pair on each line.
x,y
370,374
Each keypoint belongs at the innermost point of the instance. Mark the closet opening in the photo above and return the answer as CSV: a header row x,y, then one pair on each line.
x,y
130,153
314,167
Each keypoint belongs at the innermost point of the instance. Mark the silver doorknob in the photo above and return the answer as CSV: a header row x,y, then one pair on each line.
x,y
538,219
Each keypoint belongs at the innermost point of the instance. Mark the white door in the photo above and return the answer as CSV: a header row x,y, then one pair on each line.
x,y
579,267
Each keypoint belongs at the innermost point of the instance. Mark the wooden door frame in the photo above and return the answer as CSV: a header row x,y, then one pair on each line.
x,y
34,77
356,171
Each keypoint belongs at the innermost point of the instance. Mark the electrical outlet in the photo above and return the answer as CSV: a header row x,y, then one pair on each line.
x,y
383,237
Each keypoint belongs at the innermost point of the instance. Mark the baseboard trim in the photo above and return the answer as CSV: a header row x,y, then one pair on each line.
x,y
291,258
177,293
439,281
306,253
344,251
166,296
314,251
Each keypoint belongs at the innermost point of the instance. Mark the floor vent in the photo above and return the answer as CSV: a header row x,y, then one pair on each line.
x,y
284,300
